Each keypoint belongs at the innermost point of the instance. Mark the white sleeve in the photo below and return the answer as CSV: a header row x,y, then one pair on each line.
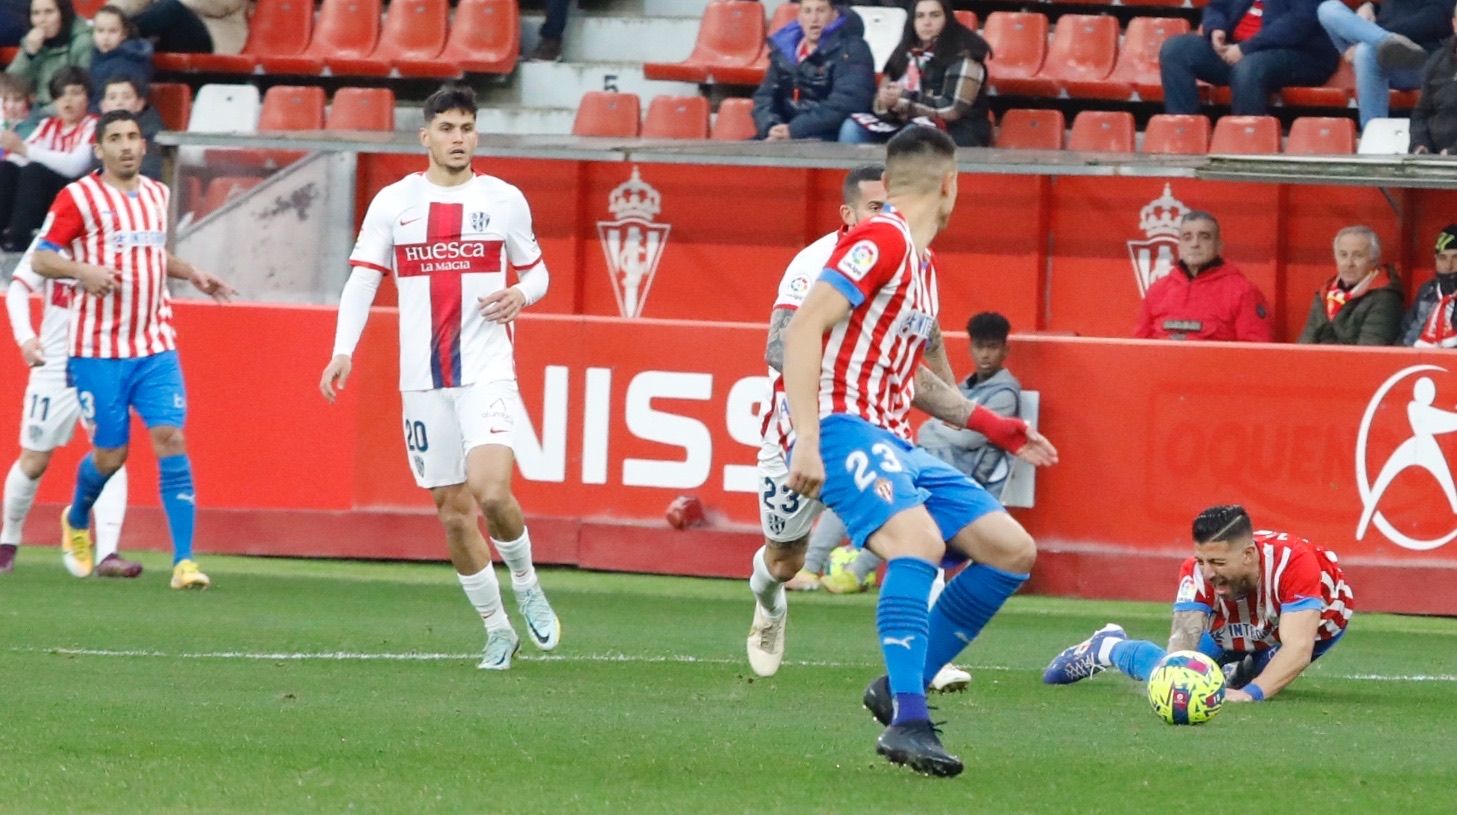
x,y
17,305
69,163
524,254
375,247
803,271
354,305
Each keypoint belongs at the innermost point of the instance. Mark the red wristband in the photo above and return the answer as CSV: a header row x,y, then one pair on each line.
x,y
1005,432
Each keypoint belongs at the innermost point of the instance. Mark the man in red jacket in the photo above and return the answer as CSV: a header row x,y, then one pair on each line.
x,y
1203,297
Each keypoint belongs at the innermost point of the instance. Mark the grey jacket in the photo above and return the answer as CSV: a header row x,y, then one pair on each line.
x,y
968,450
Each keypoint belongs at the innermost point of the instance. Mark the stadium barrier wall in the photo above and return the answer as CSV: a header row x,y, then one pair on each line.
x,y
1054,253
626,415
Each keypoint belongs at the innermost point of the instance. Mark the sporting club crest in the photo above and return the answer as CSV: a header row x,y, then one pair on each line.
x,y
1155,255
633,243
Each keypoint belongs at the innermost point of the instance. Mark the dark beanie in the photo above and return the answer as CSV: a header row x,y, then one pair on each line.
x,y
1447,238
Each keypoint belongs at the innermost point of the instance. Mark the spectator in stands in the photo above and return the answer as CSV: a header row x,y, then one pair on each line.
x,y
190,26
36,168
57,39
936,77
122,92
16,100
819,73
992,386
1255,47
1204,297
1432,320
549,46
1434,120
1361,305
118,51
1387,45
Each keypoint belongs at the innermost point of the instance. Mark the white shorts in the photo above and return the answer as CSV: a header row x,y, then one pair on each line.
x,y
48,416
784,515
442,425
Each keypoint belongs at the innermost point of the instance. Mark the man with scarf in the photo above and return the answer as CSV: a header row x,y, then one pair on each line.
x,y
1362,304
1432,320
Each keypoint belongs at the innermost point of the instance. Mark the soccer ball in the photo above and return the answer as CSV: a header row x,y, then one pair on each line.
x,y
1186,688
840,559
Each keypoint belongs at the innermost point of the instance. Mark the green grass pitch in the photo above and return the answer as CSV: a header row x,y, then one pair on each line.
x,y
305,686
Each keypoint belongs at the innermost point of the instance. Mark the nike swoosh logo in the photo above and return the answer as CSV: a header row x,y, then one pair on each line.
x,y
540,637
411,221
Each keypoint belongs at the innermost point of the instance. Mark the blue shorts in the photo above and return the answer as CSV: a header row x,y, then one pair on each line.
x,y
872,475
109,388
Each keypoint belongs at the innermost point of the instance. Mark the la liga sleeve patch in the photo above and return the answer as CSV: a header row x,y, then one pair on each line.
x,y
859,260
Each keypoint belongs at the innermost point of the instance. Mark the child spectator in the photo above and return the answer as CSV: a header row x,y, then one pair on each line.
x,y
37,168
118,51
57,39
16,99
121,93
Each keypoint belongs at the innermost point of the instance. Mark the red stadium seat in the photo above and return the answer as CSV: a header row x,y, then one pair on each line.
x,y
278,28
785,14
1177,135
731,35
1099,131
414,32
1404,100
1137,68
735,121
1337,92
347,29
676,117
1246,135
173,101
1322,136
601,113
1019,45
1031,130
173,62
362,109
967,18
485,38
220,189
1084,47
87,8
292,107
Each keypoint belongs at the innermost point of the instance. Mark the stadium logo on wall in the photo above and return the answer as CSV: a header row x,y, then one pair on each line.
x,y
1155,255
1420,451
633,243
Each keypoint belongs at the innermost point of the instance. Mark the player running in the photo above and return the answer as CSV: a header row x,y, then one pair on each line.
x,y
49,414
108,232
1264,604
784,516
452,239
851,359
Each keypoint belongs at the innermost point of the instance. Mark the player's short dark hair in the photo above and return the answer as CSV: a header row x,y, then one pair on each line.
x,y
68,76
112,117
449,97
989,326
124,79
1222,523
1200,215
920,140
850,190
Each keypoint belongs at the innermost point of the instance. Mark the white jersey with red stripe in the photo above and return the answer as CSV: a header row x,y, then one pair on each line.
x,y
776,429
871,357
55,321
447,248
1295,575
54,135
95,223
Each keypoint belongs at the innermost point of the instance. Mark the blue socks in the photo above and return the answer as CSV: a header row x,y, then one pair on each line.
x,y
89,482
1136,658
179,501
901,618
964,608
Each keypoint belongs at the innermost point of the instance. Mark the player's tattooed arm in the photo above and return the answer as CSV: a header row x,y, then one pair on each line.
x,y
774,348
936,356
940,399
1187,630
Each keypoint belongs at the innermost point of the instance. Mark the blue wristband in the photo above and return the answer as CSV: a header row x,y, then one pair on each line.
x,y
1255,692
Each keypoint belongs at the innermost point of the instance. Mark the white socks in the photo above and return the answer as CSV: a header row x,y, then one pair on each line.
x,y
1104,656
485,594
110,511
19,495
517,555
937,586
768,591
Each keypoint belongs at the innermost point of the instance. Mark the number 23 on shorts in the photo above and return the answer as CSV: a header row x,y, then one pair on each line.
x,y
858,464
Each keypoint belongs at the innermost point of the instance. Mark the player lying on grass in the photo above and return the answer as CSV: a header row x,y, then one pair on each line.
x,y
1263,604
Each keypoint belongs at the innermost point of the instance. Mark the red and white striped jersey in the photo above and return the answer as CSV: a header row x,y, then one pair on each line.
x,y
1295,575
448,247
871,357
96,223
53,137
802,272
55,321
